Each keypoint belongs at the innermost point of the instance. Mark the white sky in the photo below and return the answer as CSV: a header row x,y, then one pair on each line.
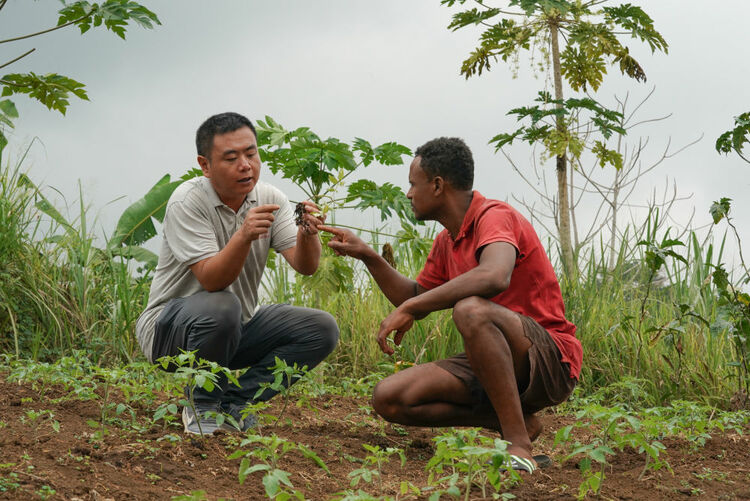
x,y
382,70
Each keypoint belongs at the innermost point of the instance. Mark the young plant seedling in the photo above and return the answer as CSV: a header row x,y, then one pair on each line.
x,y
376,458
470,459
284,376
268,451
195,374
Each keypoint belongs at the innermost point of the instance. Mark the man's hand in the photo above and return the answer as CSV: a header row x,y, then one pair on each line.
x,y
346,243
258,221
311,220
399,321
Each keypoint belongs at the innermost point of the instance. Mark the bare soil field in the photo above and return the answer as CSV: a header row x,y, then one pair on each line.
x,y
52,448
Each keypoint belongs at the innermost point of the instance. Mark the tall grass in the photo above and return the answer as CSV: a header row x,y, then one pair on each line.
x,y
60,292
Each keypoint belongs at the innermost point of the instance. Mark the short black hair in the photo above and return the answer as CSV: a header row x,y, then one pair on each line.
x,y
449,158
216,125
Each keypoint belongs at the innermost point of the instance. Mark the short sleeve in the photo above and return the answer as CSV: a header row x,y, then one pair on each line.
x,y
189,234
434,272
284,229
496,224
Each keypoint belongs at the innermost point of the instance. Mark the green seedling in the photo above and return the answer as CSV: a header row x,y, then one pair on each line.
x,y
284,376
469,458
267,453
167,414
376,457
9,483
46,492
617,429
198,373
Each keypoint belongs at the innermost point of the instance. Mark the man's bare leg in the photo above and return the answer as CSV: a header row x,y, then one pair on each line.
x,y
497,349
428,395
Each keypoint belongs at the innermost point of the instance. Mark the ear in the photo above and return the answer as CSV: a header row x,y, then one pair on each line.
x,y
203,162
438,185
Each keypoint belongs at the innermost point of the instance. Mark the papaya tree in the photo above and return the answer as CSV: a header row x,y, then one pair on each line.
x,y
578,42
52,89
327,171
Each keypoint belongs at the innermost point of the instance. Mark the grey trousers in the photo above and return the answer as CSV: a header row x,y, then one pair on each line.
x,y
210,322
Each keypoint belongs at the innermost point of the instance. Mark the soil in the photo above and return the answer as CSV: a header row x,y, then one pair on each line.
x,y
69,453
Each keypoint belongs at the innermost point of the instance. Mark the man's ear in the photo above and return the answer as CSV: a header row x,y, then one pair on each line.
x,y
438,185
203,162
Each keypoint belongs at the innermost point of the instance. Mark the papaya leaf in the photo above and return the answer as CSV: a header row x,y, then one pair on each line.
x,y
52,90
367,154
607,156
388,198
472,16
391,153
112,14
638,23
735,139
532,6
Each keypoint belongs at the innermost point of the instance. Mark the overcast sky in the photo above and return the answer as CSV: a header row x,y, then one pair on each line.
x,y
382,70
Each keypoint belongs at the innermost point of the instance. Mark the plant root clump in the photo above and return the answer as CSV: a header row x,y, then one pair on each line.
x,y
299,216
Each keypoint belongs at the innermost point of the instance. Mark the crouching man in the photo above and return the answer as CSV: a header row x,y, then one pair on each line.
x,y
218,230
488,265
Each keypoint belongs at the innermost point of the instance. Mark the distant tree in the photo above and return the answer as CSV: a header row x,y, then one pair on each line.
x,y
590,45
54,90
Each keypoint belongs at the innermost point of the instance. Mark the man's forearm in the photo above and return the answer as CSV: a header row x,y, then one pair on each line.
x,y
396,287
223,268
306,253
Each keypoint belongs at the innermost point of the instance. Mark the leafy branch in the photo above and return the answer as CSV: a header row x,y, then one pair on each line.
x,y
54,90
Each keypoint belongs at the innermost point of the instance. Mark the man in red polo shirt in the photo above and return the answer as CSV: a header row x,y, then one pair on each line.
x,y
490,267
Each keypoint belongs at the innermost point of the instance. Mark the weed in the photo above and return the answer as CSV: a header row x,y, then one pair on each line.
x,y
46,492
711,475
9,483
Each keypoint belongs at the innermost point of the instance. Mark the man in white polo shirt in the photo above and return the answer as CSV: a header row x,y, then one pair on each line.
x,y
218,230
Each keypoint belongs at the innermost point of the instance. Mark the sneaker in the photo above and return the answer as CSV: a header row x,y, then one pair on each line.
x,y
207,412
236,411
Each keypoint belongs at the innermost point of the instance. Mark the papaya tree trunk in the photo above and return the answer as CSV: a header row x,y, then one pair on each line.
x,y
563,202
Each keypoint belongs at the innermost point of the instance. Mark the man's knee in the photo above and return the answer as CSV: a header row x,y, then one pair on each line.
x,y
216,328
469,313
223,307
327,330
385,400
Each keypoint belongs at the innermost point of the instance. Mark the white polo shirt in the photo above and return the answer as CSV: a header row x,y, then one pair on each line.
x,y
197,225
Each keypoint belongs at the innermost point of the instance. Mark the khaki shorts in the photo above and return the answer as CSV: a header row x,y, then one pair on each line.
x,y
549,379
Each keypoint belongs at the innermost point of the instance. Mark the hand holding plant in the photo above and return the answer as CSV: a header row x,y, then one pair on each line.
x,y
309,217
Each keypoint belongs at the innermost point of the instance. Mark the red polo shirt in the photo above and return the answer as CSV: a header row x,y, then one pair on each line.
x,y
534,290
